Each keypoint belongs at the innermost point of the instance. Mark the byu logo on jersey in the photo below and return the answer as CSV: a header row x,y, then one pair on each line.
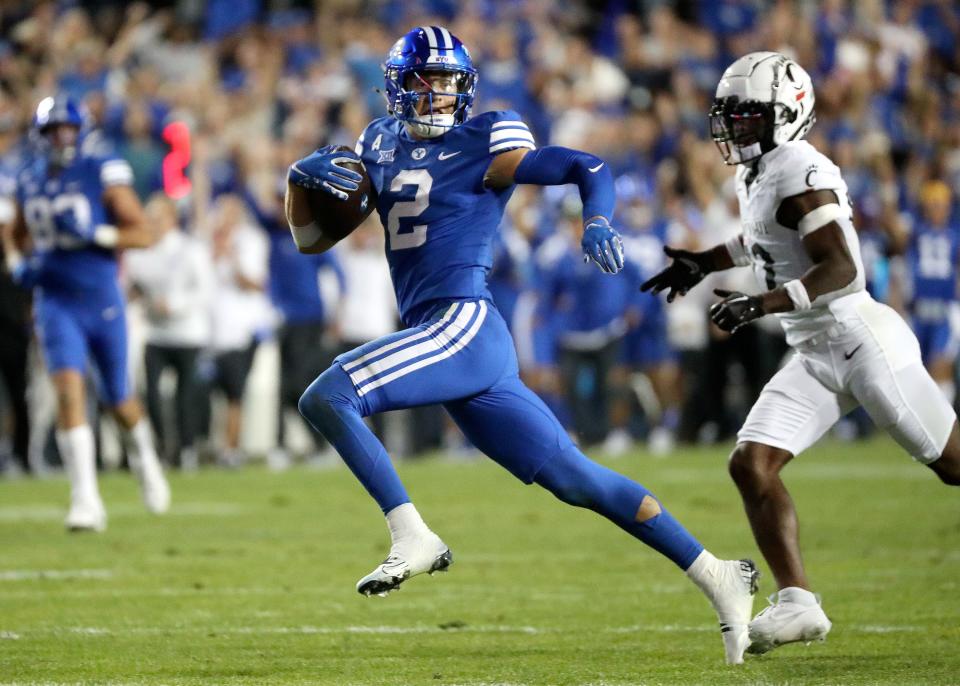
x,y
418,153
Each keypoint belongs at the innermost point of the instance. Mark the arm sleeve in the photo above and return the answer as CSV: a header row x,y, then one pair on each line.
x,y
555,165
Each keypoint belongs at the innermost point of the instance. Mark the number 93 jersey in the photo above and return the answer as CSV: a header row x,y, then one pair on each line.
x,y
439,218
777,251
69,267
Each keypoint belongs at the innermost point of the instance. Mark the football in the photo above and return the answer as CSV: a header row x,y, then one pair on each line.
x,y
336,217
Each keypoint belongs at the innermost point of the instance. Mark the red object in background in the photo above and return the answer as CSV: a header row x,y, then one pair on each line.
x,y
175,181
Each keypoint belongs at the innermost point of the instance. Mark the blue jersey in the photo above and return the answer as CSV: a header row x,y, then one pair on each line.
x,y
933,258
509,276
68,269
583,299
293,285
440,220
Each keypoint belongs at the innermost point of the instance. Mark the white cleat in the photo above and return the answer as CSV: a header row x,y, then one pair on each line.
x,y
86,515
407,559
784,622
155,491
731,587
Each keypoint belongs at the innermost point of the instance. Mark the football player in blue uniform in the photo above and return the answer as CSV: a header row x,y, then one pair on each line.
x,y
934,256
442,180
75,207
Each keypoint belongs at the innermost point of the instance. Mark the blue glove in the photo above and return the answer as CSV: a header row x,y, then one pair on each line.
x,y
602,244
321,169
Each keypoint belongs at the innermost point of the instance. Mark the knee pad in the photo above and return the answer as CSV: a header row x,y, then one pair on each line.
x,y
330,391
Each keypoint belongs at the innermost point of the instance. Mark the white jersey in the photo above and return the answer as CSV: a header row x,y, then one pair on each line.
x,y
776,251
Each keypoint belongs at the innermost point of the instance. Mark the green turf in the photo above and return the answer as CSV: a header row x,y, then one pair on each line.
x,y
250,580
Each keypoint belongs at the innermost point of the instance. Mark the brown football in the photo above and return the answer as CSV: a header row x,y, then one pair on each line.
x,y
336,217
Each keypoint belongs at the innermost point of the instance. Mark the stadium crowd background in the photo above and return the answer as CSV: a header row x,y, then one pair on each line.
x,y
211,101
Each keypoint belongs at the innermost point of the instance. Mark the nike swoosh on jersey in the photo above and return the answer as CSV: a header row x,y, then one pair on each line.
x,y
594,170
853,352
447,156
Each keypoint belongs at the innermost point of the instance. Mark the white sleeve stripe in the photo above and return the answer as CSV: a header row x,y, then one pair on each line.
x,y
109,164
506,134
512,124
116,172
507,145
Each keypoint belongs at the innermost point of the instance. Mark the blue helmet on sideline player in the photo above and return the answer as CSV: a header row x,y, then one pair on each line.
x,y
429,50
57,127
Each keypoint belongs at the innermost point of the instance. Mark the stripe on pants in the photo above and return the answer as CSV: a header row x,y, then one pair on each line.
x,y
412,338
440,340
443,354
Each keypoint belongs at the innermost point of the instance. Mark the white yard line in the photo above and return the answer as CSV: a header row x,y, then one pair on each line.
x,y
48,513
307,629
53,574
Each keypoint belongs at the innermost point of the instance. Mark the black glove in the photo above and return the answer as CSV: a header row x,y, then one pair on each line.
x,y
735,310
685,272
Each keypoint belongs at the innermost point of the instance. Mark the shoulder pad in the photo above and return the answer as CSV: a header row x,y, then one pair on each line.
x,y
801,168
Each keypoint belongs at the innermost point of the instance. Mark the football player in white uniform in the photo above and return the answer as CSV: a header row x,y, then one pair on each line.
x,y
850,350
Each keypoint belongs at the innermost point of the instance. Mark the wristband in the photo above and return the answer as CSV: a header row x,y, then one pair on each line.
x,y
307,235
798,294
738,252
106,235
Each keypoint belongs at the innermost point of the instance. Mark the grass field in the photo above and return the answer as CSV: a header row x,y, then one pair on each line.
x,y
250,580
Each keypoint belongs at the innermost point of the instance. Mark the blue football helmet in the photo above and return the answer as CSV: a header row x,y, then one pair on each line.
x,y
427,50
52,112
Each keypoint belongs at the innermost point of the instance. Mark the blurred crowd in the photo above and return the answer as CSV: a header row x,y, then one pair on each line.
x,y
211,101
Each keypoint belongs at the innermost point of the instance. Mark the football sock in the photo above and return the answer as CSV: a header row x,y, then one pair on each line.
x,y
579,481
405,522
77,452
332,407
143,455
792,594
701,571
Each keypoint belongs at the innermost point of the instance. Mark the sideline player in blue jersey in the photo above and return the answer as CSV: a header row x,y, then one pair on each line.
x,y
75,208
443,180
933,255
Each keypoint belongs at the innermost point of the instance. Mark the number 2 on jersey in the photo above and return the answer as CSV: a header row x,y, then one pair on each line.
x,y
409,208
